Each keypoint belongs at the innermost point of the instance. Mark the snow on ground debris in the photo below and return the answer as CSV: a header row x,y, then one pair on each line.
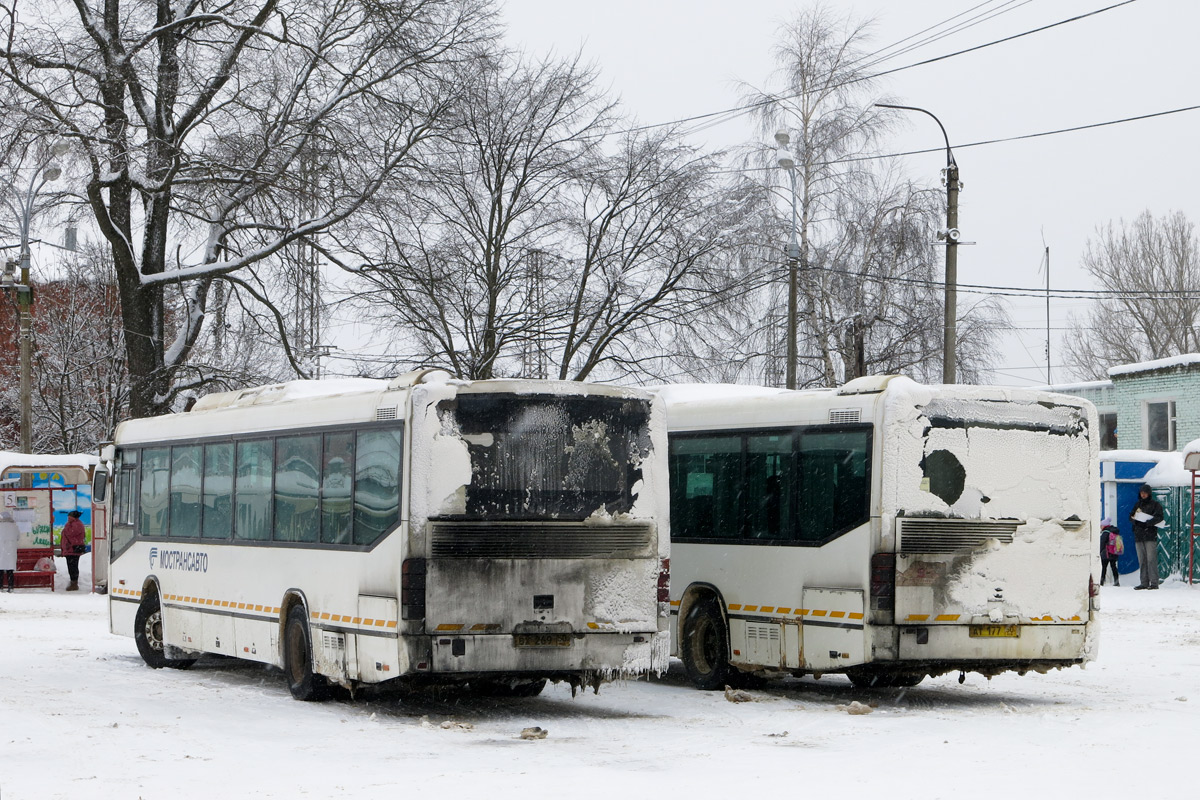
x,y
83,717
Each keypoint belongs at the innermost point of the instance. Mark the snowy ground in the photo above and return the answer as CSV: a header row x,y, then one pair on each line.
x,y
81,716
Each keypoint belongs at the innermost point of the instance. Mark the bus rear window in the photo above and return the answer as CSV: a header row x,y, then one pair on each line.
x,y
560,457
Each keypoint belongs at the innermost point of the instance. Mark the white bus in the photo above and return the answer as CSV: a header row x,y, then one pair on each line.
x,y
884,530
496,533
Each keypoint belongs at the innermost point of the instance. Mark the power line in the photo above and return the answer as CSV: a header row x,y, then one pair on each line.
x,y
1002,140
877,57
1021,291
746,108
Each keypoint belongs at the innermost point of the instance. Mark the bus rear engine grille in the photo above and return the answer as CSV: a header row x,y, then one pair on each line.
x,y
951,535
539,540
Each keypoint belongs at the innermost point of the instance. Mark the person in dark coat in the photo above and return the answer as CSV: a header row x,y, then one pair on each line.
x,y
74,540
1108,553
1146,515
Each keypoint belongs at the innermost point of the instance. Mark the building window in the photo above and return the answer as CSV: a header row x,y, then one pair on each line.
x,y
1108,430
1160,425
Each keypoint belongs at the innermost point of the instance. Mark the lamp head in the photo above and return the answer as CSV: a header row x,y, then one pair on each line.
x,y
785,159
52,172
782,138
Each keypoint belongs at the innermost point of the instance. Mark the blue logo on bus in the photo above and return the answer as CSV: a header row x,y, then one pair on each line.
x,y
183,560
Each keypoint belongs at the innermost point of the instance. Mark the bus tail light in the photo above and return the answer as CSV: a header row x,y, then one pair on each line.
x,y
883,582
664,580
1093,589
412,589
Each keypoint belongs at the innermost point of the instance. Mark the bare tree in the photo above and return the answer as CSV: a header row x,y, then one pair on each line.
x,y
1152,268
452,254
874,302
649,225
195,118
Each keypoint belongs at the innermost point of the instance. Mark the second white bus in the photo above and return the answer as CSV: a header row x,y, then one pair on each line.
x,y
884,530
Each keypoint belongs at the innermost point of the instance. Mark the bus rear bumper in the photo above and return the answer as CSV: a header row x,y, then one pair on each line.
x,y
607,655
1018,644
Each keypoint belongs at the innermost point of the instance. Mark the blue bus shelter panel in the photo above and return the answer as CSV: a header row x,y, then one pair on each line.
x,y
1132,470
1127,497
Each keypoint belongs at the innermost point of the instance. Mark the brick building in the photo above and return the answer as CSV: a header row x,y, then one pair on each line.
x,y
1152,405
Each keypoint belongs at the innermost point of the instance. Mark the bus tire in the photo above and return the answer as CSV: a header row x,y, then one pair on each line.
x,y
704,646
303,683
148,635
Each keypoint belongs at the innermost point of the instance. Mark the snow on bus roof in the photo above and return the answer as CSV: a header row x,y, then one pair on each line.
x,y
694,392
291,390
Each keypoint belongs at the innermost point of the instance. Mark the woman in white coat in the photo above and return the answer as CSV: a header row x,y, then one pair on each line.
x,y
9,534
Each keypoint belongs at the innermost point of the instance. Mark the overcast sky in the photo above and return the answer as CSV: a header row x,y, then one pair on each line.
x,y
670,59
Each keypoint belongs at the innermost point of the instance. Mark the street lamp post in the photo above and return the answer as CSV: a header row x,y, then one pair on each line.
x,y
785,160
951,236
23,209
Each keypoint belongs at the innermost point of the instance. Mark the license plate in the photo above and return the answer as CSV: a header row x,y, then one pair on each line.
x,y
542,639
995,632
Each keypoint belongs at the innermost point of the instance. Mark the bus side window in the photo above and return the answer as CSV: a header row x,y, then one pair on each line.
x,y
297,488
154,497
185,490
770,481
252,490
337,484
835,482
217,521
376,484
125,489
706,486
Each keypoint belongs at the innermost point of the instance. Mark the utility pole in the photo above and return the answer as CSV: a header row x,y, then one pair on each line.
x,y
25,343
950,235
950,338
1048,381
787,161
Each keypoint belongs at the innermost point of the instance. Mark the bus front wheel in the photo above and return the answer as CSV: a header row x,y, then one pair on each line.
x,y
303,683
705,646
148,635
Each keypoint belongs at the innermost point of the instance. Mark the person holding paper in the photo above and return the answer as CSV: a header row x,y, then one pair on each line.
x,y
1147,513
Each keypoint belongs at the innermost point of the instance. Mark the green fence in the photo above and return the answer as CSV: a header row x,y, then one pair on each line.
x,y
1173,540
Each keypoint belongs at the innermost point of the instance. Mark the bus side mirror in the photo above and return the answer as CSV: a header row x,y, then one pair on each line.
x,y
99,485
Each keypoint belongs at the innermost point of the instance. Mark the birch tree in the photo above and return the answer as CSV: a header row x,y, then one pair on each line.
x,y
869,276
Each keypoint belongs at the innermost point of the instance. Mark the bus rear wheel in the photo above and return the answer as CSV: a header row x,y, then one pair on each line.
x,y
148,635
303,683
884,680
705,646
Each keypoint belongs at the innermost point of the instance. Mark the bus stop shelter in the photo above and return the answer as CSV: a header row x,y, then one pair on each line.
x,y
40,490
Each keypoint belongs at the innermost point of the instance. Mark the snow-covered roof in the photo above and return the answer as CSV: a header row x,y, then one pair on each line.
x,y
1184,360
1168,465
1075,387
10,460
